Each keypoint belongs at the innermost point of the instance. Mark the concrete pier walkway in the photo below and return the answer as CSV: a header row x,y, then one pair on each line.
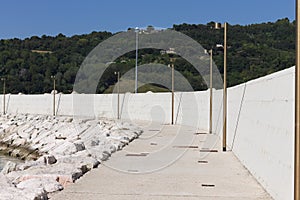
x,y
168,162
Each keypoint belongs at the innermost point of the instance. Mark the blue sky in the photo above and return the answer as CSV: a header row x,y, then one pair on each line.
x,y
21,19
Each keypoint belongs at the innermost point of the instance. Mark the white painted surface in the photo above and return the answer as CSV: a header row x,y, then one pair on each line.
x,y
263,125
190,108
260,120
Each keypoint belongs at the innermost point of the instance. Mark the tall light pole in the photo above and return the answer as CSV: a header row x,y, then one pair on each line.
x,y
297,109
172,60
218,26
210,90
53,77
118,89
136,58
4,82
172,100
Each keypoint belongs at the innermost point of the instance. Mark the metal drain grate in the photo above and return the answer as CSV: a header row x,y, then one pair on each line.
x,y
202,161
208,150
186,147
133,170
200,133
136,154
207,185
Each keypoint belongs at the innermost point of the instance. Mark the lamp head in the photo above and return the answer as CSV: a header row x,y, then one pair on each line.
x,y
218,25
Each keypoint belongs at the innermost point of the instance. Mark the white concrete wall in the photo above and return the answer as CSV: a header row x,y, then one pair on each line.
x,y
261,130
190,108
32,104
217,112
260,120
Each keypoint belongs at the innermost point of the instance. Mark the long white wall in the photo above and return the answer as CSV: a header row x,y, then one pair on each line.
x,y
260,120
190,108
261,130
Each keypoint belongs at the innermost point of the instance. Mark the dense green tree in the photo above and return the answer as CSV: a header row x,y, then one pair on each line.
x,y
253,51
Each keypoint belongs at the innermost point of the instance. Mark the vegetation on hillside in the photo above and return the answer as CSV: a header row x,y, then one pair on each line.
x,y
253,51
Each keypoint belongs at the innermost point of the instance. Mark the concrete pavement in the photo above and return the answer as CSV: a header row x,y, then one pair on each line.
x,y
168,162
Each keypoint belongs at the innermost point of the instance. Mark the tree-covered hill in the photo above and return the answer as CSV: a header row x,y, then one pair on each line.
x,y
253,51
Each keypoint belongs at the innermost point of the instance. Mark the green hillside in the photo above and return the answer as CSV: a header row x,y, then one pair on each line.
x,y
253,51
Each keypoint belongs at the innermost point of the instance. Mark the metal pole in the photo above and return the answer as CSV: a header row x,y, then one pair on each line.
x,y
172,121
118,95
53,77
4,96
136,59
54,96
297,110
225,88
210,92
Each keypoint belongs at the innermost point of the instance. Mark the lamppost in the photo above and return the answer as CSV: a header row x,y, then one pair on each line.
x,y
4,82
219,26
53,77
210,90
297,109
136,58
118,90
172,60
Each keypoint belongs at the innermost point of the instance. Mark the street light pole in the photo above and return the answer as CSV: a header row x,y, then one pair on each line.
x,y
210,91
4,82
53,77
218,26
225,89
118,89
136,58
297,109
172,102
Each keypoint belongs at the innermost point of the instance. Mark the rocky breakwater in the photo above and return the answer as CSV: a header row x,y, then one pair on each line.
x,y
57,150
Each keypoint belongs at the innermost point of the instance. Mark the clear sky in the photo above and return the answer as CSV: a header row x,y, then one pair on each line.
x,y
25,18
